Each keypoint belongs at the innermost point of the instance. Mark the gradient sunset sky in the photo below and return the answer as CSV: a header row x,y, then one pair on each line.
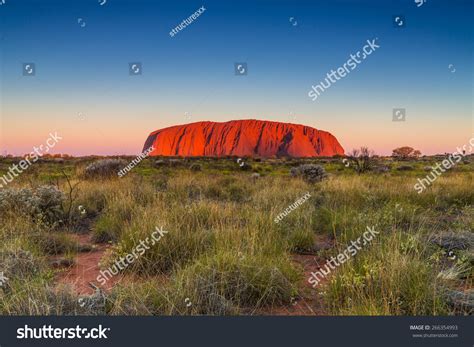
x,y
82,88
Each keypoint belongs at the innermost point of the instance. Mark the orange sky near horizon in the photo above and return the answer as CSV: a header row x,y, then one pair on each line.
x,y
87,137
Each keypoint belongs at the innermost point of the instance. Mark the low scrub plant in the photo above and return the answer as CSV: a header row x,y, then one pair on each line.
x,y
311,173
104,168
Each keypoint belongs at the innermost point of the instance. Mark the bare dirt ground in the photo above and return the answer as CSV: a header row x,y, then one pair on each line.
x,y
85,268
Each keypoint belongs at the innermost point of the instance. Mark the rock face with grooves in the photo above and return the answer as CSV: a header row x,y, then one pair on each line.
x,y
253,138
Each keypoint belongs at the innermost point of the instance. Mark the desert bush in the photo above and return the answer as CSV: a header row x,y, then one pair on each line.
x,y
43,203
362,160
405,168
382,169
195,167
311,173
453,240
461,302
104,168
49,201
405,153
94,304
12,199
18,263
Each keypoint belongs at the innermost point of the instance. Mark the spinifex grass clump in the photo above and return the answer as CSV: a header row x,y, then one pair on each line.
x,y
243,281
225,282
104,168
390,276
187,235
113,220
40,297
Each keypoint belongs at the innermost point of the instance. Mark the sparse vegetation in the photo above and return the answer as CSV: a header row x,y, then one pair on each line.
x,y
223,253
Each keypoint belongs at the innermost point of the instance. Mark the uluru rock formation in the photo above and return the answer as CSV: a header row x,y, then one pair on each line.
x,y
242,138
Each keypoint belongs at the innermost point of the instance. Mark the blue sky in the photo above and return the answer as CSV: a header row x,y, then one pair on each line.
x,y
82,87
